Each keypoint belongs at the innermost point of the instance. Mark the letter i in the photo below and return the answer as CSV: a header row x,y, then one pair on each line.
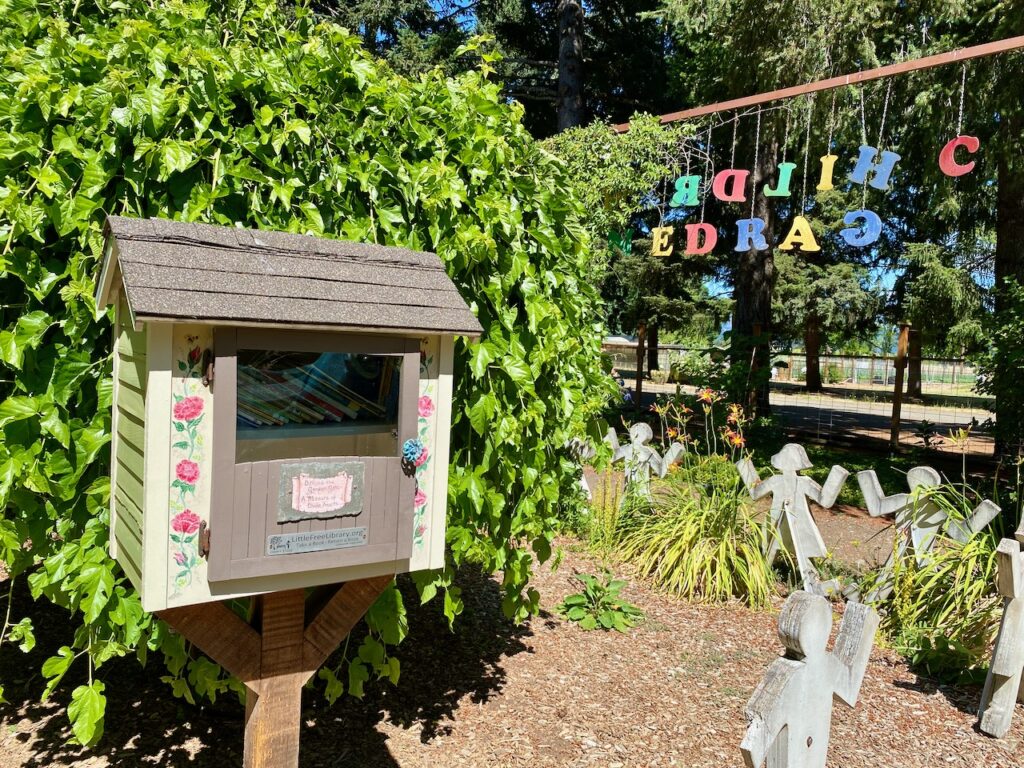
x,y
828,163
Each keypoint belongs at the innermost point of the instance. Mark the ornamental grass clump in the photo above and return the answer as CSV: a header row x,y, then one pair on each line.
x,y
943,616
702,541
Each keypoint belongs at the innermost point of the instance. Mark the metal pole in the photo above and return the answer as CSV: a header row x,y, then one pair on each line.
x,y
913,65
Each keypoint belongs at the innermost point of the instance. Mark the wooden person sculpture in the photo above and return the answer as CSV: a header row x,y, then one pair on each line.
x,y
790,515
640,459
918,521
790,713
1005,684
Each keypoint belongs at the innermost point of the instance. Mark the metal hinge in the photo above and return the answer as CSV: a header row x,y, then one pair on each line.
x,y
204,539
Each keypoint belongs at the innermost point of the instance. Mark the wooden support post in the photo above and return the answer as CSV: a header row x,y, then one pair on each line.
x,y
275,662
897,393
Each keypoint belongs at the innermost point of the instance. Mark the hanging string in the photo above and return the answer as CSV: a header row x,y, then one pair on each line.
x,y
757,149
707,171
807,150
963,88
885,111
831,124
785,139
863,141
735,125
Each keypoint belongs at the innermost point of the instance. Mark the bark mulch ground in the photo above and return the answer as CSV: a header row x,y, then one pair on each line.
x,y
670,692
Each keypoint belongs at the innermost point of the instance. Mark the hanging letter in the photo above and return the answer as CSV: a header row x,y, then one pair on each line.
x,y
694,247
881,170
750,235
661,241
828,163
800,236
686,191
947,157
863,234
782,188
735,193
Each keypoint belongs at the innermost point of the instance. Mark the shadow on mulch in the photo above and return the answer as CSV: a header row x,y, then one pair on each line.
x,y
965,696
145,725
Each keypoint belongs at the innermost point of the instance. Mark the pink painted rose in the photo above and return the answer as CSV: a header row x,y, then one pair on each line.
x,y
426,407
420,500
420,530
186,522
187,471
422,459
188,408
179,558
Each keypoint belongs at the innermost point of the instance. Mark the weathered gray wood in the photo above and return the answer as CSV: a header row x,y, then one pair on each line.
x,y
918,521
792,524
639,459
790,712
1004,686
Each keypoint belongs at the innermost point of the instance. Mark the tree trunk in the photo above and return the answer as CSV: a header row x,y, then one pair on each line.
x,y
641,343
812,349
570,64
1009,266
752,296
652,349
914,364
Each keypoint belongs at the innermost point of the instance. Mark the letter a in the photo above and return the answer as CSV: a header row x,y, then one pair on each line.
x,y
694,247
881,170
866,233
661,241
750,235
782,188
947,157
720,186
800,236
686,191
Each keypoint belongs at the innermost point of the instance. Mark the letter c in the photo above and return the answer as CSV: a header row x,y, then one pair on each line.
x,y
947,157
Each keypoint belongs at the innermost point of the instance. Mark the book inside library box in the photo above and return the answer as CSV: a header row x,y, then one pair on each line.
x,y
298,404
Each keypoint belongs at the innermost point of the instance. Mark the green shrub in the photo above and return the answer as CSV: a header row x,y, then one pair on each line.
x,y
702,540
599,606
252,114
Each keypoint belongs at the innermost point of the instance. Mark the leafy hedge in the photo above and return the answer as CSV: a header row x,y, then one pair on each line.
x,y
241,113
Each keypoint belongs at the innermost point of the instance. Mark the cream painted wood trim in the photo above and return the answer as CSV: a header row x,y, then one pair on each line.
x,y
155,528
151,320
442,450
114,421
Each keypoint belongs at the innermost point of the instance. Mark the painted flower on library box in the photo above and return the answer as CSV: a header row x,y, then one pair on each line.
x,y
422,459
188,408
412,449
187,471
185,523
426,407
420,499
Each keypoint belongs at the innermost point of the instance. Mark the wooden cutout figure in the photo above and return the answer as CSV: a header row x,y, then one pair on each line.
x,y
790,713
1005,683
918,521
639,459
790,515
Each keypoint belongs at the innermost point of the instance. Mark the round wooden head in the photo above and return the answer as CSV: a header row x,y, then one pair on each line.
x,y
792,456
923,477
805,624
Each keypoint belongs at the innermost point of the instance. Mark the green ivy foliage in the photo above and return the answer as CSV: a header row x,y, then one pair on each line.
x,y
241,113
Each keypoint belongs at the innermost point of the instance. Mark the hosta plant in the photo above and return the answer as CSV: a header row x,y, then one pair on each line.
x,y
599,606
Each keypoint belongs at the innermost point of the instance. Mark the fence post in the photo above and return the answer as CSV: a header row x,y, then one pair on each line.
x,y
897,394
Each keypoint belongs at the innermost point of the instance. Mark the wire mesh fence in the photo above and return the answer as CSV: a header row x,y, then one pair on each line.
x,y
940,405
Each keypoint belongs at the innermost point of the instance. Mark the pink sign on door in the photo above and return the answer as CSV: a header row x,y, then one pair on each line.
x,y
317,495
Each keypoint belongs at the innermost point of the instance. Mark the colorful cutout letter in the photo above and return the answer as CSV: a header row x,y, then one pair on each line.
x,y
881,169
800,236
947,157
729,185
661,241
828,164
750,235
686,191
694,246
863,234
782,188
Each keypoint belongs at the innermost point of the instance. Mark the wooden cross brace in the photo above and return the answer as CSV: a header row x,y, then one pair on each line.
x,y
276,662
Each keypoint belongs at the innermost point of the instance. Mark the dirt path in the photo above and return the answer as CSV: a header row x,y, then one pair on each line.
x,y
670,692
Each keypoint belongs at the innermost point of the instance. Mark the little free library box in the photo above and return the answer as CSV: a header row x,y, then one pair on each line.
x,y
282,406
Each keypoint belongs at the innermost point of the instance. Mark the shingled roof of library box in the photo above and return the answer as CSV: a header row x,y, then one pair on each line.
x,y
174,270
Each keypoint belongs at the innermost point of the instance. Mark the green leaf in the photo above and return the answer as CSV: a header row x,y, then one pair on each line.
x,y
300,129
22,631
482,356
86,711
18,408
54,669
358,674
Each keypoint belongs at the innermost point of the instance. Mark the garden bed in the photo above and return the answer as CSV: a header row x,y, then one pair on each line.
x,y
670,692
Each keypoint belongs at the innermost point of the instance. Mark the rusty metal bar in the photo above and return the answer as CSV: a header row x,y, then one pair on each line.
x,y
913,65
